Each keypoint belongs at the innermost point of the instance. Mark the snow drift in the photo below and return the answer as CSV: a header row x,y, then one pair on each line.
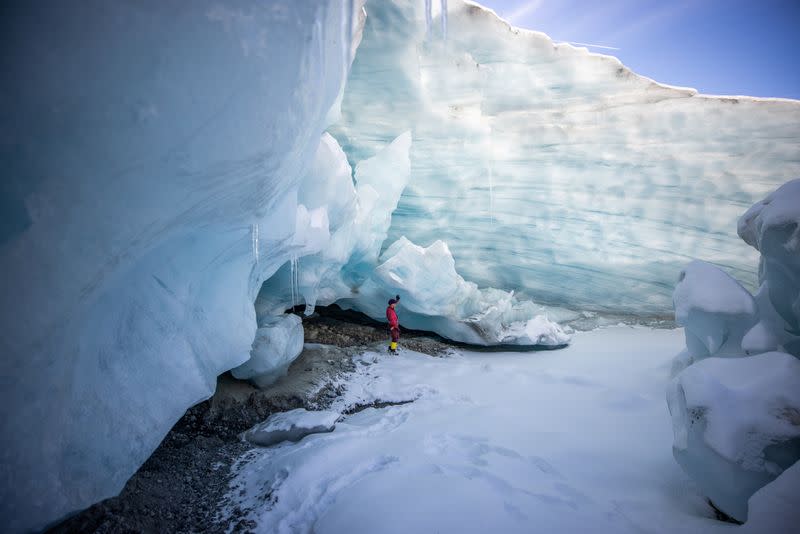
x,y
736,413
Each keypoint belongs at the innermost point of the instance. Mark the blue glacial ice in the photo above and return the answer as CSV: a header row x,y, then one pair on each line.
x,y
161,164
151,155
736,404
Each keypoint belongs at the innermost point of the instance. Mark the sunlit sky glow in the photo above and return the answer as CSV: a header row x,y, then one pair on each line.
x,y
732,47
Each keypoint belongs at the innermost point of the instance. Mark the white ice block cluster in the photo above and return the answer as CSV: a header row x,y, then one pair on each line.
x,y
557,172
279,340
151,158
736,407
736,424
772,227
714,310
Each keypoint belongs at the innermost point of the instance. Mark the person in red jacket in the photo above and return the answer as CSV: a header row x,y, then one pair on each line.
x,y
394,324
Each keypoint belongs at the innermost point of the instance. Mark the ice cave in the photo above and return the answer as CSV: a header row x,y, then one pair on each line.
x,y
207,205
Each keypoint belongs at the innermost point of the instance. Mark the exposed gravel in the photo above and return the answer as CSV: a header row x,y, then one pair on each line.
x,y
183,484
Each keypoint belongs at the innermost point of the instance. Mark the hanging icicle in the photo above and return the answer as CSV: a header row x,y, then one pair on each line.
x,y
291,279
297,278
428,18
254,240
347,34
444,19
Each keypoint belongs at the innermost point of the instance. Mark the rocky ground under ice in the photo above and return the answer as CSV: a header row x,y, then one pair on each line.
x,y
182,485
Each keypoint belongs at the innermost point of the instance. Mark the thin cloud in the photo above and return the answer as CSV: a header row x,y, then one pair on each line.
x,y
604,47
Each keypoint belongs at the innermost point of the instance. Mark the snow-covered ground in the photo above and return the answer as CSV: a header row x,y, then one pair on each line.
x,y
574,440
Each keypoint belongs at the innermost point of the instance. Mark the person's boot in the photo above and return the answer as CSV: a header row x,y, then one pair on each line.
x,y
393,347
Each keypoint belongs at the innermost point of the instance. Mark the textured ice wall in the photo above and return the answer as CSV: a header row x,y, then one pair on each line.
x,y
151,153
553,171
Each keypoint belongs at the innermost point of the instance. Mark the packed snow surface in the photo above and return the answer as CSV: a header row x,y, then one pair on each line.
x,y
575,440
554,171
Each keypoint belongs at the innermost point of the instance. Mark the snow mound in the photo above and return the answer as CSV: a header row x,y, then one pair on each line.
x,y
776,506
293,425
714,309
736,424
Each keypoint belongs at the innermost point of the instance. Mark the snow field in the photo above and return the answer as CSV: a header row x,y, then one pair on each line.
x,y
558,441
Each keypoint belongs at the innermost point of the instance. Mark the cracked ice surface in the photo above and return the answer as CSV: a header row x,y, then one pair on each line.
x,y
556,172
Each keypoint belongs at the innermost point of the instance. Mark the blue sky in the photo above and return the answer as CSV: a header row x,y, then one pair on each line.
x,y
732,47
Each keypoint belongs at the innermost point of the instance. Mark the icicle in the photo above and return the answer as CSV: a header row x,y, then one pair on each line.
x,y
347,33
297,277
254,236
490,172
444,19
291,281
491,192
428,18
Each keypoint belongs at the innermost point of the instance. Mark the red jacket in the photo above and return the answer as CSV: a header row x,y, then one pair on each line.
x,y
391,316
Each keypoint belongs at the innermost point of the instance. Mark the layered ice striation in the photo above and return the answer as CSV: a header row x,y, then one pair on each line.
x,y
151,160
736,407
557,172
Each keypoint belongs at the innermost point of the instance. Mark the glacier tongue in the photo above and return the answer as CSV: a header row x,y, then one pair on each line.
x,y
152,153
556,171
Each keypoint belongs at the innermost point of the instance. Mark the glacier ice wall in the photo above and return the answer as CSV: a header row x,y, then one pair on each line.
x,y
554,171
735,406
151,156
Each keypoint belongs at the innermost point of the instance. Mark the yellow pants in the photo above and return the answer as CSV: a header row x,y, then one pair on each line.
x,y
393,345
